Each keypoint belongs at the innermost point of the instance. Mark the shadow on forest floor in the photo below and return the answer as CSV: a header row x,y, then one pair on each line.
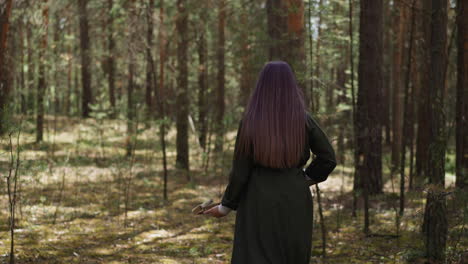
x,y
86,205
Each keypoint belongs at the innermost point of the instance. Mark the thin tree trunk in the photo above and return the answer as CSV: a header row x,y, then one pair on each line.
x,y
317,57
387,72
220,107
149,72
246,53
31,69
131,85
356,178
22,77
57,69
182,158
69,79
162,95
406,112
202,81
41,84
85,59
310,101
110,57
322,222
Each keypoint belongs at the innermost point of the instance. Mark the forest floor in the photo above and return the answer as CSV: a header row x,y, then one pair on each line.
x,y
82,201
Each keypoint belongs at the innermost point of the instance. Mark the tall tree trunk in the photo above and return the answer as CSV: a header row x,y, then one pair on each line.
x,y
31,69
41,83
285,21
5,11
77,85
85,59
406,140
422,138
435,219
161,94
131,84
110,57
149,72
246,53
310,98
22,82
318,61
182,158
296,40
202,81
341,87
276,25
357,185
368,121
219,119
397,96
462,96
57,69
387,71
67,100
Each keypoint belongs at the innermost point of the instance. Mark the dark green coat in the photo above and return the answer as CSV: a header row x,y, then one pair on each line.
x,y
274,208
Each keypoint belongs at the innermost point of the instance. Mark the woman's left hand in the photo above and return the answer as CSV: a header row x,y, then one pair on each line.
x,y
214,211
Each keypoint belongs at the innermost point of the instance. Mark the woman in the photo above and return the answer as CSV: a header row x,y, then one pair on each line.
x,y
268,187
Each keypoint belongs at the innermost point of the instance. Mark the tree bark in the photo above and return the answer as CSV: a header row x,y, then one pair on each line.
x,y
31,69
368,119
220,105
131,113
422,139
22,81
85,59
182,157
387,72
110,57
406,130
435,219
462,97
202,81
397,95
246,54
161,94
57,70
149,73
318,61
276,26
41,83
311,95
67,100
285,23
5,11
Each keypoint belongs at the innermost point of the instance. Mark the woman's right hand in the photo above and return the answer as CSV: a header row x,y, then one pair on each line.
x,y
215,212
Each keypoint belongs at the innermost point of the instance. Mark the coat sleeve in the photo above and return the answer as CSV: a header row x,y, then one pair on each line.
x,y
324,162
238,177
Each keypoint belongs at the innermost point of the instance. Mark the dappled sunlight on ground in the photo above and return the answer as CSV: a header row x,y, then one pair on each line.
x,y
82,201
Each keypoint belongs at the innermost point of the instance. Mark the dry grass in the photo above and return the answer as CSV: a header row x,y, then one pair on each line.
x,y
85,222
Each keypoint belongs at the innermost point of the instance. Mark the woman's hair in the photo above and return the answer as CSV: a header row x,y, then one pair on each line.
x,y
273,124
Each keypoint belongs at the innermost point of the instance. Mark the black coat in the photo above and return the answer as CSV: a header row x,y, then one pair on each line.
x,y
274,207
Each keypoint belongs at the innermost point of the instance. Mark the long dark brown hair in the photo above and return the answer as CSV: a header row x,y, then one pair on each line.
x,y
273,124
